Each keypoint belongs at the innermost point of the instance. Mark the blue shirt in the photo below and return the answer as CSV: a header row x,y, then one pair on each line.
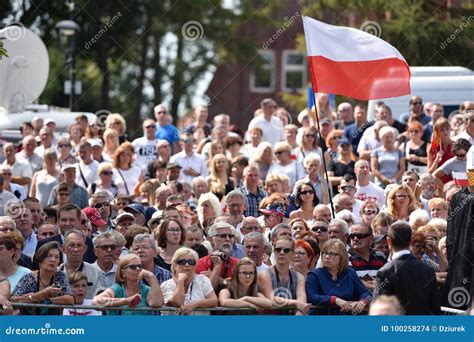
x,y
321,289
169,133
353,133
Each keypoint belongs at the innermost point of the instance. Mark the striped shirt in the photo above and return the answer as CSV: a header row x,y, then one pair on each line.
x,y
366,267
252,200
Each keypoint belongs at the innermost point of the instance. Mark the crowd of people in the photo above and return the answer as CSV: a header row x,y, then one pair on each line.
x,y
340,215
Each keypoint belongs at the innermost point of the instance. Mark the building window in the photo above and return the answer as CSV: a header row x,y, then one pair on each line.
x,y
295,74
262,77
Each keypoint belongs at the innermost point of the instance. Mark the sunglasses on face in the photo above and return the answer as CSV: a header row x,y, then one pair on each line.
x,y
416,103
347,187
359,236
319,229
308,135
63,145
460,155
107,173
370,212
100,205
107,247
401,196
279,250
183,262
307,192
135,267
247,274
150,126
414,131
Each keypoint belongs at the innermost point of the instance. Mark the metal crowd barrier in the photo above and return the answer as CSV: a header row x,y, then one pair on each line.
x,y
213,310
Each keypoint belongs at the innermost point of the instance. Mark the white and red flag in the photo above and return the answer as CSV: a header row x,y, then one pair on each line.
x,y
354,63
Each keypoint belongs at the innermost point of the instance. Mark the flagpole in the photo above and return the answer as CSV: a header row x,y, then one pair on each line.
x,y
333,212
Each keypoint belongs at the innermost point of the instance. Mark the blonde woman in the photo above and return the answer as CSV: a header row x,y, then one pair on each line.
x,y
220,184
129,288
117,122
126,175
45,180
188,290
111,139
208,209
401,202
105,181
263,157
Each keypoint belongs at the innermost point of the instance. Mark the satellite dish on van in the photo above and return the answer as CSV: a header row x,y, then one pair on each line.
x,y
23,75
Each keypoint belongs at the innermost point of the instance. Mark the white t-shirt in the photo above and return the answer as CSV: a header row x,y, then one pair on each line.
x,y
89,172
199,289
293,170
145,151
272,130
195,162
82,312
371,191
129,177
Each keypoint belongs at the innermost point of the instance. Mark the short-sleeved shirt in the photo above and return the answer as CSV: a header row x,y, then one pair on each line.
x,y
453,165
169,133
199,289
15,277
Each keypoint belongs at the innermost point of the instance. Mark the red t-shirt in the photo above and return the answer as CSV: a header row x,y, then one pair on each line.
x,y
205,264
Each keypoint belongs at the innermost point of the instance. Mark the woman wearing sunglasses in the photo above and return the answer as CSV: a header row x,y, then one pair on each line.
x,y
336,285
188,290
242,291
129,290
457,164
283,286
305,198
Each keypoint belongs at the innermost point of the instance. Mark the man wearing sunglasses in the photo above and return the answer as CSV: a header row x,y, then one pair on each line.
x,y
468,132
101,201
416,109
219,265
348,186
105,246
145,146
364,260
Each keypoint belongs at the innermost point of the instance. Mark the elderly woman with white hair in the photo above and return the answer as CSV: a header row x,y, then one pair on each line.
x,y
418,218
187,290
312,167
387,162
208,209
347,216
263,157
285,165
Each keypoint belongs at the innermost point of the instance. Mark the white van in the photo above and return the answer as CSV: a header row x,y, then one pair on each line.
x,y
449,86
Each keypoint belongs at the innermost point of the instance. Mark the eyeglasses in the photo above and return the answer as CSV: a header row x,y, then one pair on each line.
x,y
107,173
300,253
308,135
369,212
347,187
150,126
100,205
401,196
173,230
135,267
63,193
247,274
85,221
63,145
183,262
234,205
460,155
6,173
223,236
359,236
107,247
74,246
329,254
279,250
278,152
307,192
414,131
162,112
187,140
416,103
319,229
144,248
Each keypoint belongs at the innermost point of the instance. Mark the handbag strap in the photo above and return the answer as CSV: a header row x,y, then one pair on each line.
x,y
124,182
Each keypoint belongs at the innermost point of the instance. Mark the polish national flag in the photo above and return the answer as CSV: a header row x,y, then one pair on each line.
x,y
354,63
460,178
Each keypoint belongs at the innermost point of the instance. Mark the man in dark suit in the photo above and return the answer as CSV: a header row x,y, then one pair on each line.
x,y
406,277
69,216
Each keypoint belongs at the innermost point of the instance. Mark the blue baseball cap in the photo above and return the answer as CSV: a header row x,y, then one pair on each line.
x,y
344,141
273,209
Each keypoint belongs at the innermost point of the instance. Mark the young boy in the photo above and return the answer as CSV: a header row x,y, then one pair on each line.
x,y
78,281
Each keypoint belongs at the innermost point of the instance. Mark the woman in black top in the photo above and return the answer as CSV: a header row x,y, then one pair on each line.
x,y
343,164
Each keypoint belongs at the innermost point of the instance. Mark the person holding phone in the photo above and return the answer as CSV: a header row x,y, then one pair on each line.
x,y
45,286
129,288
